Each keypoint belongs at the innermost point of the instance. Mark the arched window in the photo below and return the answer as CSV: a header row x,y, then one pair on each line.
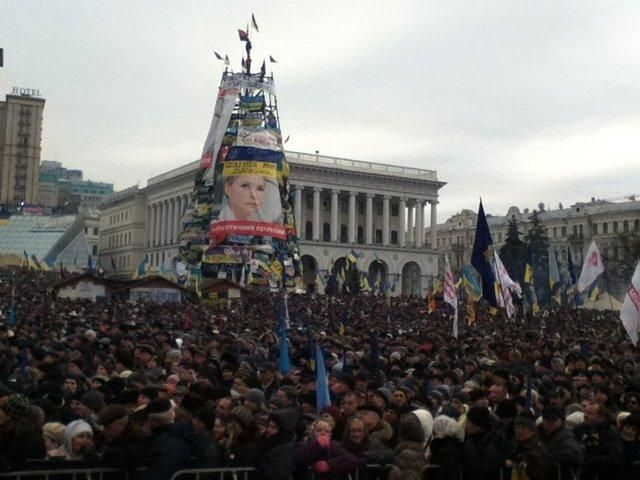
x,y
344,234
326,232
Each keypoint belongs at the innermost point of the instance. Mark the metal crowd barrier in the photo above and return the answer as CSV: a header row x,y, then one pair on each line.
x,y
214,473
69,474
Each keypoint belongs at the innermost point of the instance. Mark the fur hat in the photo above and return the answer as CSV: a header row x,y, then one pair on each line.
x,y
111,413
480,417
54,431
207,415
94,399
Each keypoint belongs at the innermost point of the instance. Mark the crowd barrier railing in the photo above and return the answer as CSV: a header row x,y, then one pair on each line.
x,y
214,474
70,474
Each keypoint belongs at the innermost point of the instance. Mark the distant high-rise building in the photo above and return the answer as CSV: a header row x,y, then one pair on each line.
x,y
20,147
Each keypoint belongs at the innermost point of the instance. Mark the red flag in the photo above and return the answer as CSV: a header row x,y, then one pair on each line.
x,y
244,36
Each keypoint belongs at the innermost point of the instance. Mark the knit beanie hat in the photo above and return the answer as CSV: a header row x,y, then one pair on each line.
x,y
94,399
255,396
17,406
242,415
111,413
525,420
76,428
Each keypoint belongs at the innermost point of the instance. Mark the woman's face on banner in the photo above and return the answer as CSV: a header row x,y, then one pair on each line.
x,y
246,194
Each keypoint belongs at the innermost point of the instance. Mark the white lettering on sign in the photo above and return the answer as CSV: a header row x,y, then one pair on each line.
x,y
32,92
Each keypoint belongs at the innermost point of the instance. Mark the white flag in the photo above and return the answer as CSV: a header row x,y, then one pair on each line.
x,y
630,310
450,295
592,267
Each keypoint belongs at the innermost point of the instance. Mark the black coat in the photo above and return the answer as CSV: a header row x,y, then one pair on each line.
x,y
166,452
448,453
276,459
485,454
602,449
565,453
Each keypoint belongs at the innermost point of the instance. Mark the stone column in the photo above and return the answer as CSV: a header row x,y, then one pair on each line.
x,y
369,220
419,223
147,226
335,209
385,220
434,224
403,220
316,213
171,221
156,239
410,210
177,220
163,223
352,217
297,210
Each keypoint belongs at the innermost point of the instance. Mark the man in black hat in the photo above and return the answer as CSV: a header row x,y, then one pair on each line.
x,y
166,451
529,454
205,447
485,446
564,449
377,428
122,445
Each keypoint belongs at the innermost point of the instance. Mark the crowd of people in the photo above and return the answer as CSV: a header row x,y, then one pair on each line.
x,y
174,386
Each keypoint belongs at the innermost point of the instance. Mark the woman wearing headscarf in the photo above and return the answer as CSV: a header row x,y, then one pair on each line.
x,y
410,453
447,449
277,448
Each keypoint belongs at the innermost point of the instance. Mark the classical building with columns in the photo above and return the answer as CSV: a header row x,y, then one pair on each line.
x,y
339,205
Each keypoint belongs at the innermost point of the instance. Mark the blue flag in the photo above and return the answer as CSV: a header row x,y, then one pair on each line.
x,y
285,362
90,263
11,316
481,257
323,400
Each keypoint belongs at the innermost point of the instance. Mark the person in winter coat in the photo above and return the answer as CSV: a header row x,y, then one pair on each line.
x,y
410,451
277,448
368,450
78,443
328,458
630,434
122,445
205,448
602,444
20,435
241,448
485,446
564,450
446,449
529,458
166,450
53,436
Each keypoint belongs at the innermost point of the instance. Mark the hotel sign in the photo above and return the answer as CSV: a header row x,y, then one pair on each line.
x,y
32,92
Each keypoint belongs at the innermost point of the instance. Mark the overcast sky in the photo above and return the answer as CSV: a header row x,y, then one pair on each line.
x,y
519,102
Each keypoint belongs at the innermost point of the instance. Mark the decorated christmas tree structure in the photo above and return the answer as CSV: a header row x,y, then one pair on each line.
x,y
240,224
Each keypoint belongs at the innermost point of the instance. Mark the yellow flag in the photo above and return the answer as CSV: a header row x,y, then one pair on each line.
x,y
528,275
